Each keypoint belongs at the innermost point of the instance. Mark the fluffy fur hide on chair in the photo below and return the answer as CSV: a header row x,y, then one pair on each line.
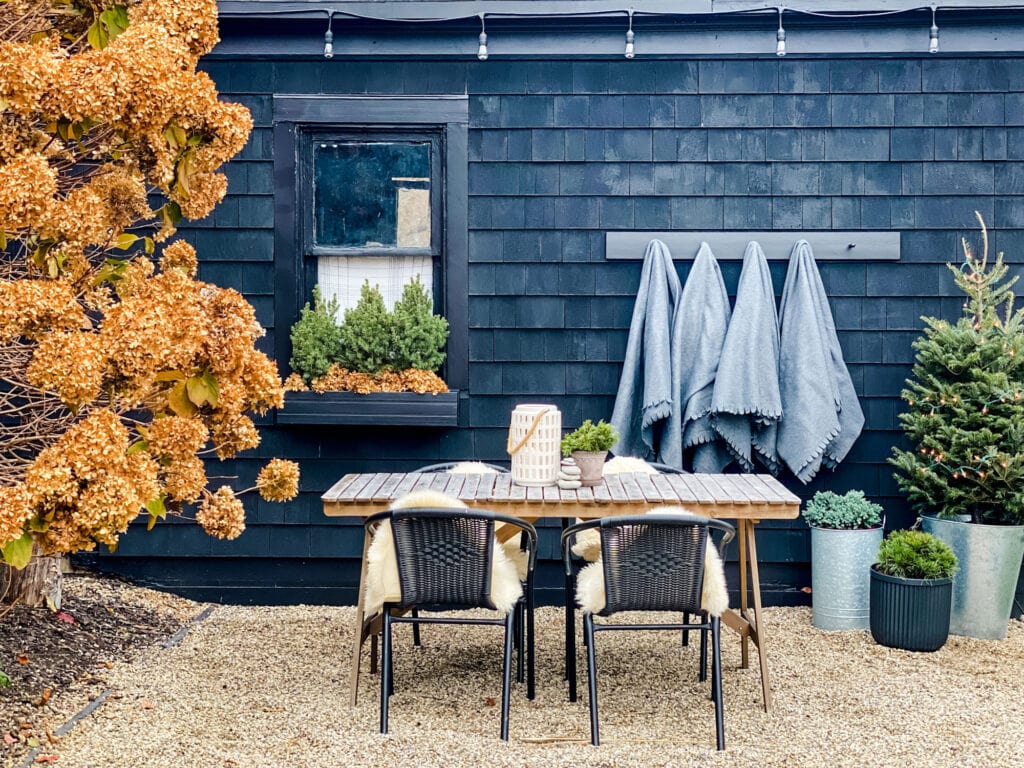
x,y
382,584
714,596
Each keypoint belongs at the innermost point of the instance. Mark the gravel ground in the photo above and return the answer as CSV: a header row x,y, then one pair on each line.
x,y
267,687
58,660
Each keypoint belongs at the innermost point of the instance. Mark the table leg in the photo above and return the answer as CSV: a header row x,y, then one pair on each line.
x,y
357,639
745,661
570,629
758,619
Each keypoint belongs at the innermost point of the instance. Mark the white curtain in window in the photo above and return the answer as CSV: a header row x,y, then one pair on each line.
x,y
343,276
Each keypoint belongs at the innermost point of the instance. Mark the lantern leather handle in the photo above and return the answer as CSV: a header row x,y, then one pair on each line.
x,y
514,449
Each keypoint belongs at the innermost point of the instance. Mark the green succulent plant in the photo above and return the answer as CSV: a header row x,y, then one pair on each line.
x,y
915,555
590,437
851,511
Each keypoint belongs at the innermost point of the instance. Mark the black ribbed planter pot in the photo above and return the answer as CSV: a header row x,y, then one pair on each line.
x,y
912,614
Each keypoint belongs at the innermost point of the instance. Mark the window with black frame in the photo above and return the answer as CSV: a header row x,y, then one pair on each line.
x,y
373,212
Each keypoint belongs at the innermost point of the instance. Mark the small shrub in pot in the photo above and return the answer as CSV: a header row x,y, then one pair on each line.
x,y
850,511
912,591
589,446
845,533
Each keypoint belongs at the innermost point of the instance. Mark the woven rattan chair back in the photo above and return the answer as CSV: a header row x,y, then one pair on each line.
x,y
653,565
444,556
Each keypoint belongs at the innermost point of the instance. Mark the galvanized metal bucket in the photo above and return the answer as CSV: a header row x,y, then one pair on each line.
x,y
841,576
989,561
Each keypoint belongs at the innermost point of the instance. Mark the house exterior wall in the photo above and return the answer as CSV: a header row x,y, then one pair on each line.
x,y
563,151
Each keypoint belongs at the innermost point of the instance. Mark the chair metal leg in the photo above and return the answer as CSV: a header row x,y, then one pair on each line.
x,y
531,681
570,638
519,628
385,670
416,628
506,672
686,632
703,674
588,630
716,680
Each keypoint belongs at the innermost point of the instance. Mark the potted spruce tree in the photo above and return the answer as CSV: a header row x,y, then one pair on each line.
x,y
589,446
845,533
965,419
912,591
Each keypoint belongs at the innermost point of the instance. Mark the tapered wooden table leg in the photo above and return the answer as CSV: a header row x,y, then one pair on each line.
x,y
357,627
744,657
757,620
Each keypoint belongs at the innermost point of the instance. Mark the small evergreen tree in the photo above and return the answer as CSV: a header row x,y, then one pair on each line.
x,y
366,333
418,335
316,337
966,404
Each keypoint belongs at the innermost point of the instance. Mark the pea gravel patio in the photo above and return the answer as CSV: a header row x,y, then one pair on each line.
x,y
267,686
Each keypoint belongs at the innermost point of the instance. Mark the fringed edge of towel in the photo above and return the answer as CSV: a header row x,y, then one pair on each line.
x,y
805,474
761,416
656,412
734,449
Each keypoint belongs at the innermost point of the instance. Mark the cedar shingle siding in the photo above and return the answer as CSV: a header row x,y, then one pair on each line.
x,y
561,152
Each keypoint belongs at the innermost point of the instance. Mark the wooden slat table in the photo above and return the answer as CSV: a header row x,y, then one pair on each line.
x,y
744,498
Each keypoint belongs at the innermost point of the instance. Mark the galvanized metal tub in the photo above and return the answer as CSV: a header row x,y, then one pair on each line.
x,y
989,561
841,576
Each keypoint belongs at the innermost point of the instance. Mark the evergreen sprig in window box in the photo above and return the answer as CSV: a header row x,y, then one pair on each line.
x,y
376,368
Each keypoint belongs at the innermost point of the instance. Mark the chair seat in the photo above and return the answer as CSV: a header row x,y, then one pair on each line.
x,y
714,598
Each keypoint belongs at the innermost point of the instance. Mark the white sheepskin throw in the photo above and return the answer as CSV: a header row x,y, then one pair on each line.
x,y
382,584
472,468
588,543
714,596
617,465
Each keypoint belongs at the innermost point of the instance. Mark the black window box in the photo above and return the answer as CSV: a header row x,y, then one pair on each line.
x,y
377,408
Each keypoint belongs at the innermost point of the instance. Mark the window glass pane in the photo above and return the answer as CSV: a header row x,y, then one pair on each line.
x,y
371,194
343,276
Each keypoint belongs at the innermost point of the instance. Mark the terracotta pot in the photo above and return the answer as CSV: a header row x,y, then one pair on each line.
x,y
591,464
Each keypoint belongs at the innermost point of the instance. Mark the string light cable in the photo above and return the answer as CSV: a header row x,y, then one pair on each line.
x,y
630,51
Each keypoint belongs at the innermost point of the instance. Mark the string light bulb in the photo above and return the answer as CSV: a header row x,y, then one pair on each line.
x,y
933,35
481,52
630,48
780,36
329,37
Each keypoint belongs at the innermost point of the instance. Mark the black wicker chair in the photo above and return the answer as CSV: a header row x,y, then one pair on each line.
x,y
651,563
444,561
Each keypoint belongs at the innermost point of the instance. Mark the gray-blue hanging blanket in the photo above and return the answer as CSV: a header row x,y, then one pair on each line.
x,y
822,414
647,413
704,307
746,405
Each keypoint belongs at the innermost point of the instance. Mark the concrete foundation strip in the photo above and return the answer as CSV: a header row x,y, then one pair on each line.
x,y
171,642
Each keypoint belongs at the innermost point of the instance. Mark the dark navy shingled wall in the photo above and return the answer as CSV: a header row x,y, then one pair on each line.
x,y
561,152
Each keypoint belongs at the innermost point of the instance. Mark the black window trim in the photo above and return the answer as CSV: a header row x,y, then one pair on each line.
x,y
449,115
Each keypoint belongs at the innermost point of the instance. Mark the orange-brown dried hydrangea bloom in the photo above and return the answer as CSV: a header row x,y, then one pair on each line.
x,y
119,373
278,480
221,514
15,510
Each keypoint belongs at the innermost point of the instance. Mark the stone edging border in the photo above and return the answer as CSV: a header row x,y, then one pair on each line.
x,y
171,642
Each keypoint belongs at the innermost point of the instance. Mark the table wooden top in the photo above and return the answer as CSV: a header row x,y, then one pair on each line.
x,y
723,496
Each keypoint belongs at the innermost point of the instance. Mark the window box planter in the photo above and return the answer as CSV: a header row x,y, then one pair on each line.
x,y
378,408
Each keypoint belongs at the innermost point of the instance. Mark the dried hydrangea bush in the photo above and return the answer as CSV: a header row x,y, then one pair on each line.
x,y
120,368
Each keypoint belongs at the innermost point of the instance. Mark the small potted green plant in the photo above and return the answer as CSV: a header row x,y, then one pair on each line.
x,y
845,533
589,446
912,591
